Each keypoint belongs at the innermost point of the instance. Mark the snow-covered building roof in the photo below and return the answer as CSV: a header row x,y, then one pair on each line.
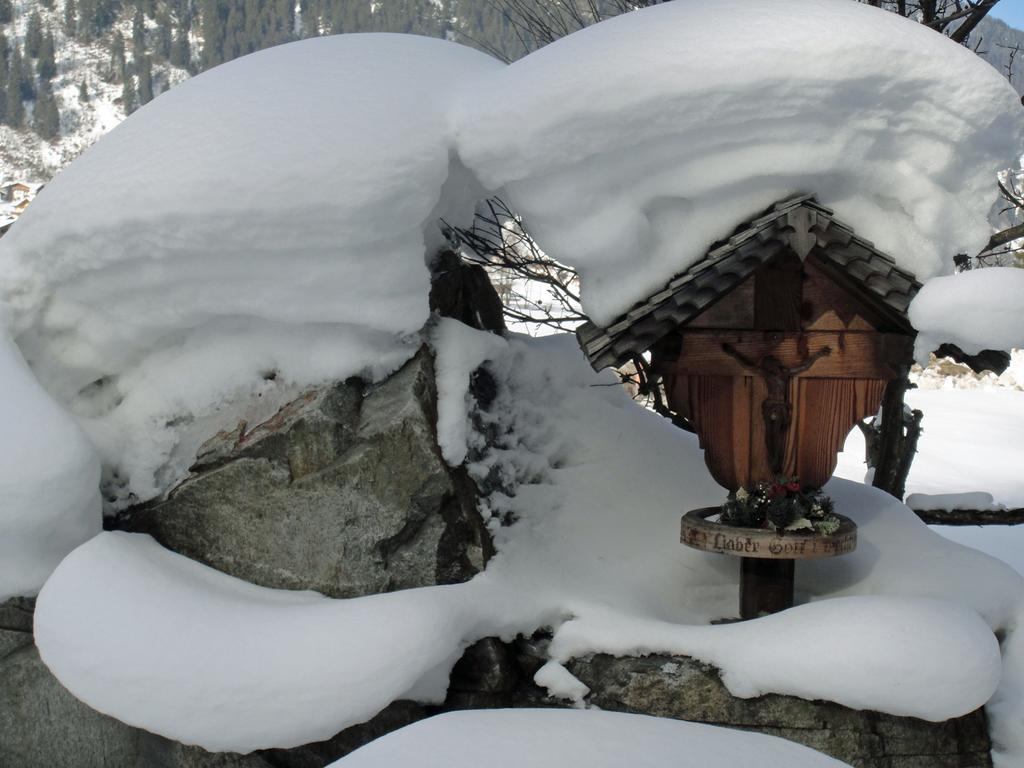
x,y
799,224
20,186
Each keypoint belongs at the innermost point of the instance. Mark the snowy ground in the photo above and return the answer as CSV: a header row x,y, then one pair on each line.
x,y
972,440
970,455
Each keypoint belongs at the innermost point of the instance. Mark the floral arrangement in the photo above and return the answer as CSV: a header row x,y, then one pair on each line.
x,y
784,505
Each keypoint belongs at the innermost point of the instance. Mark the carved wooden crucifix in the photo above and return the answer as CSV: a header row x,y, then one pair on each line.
x,y
776,409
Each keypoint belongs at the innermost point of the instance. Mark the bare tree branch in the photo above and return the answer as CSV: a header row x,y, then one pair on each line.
x,y
498,241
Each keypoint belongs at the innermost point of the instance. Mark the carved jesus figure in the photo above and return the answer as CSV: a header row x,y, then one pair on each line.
x,y
776,409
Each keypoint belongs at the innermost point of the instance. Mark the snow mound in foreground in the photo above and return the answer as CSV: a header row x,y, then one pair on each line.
x,y
598,488
267,220
190,653
183,650
48,480
979,309
557,738
632,145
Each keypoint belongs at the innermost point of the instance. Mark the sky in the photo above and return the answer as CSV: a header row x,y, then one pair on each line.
x,y
1010,11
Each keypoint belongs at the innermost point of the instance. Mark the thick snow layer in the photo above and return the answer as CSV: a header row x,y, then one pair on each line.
x,y
971,443
459,350
587,527
550,738
265,226
270,217
979,309
866,649
49,480
230,665
632,145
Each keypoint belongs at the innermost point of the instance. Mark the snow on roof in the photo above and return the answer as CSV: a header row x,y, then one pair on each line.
x,y
632,145
29,186
799,223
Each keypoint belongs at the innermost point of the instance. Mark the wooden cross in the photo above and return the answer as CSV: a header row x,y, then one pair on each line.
x,y
776,409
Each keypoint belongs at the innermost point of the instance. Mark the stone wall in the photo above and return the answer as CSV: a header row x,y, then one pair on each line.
x,y
495,674
685,689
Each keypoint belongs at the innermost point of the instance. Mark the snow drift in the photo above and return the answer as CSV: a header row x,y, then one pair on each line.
x,y
48,480
632,145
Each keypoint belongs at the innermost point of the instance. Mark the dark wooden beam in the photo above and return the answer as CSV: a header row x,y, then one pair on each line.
x,y
766,586
1003,237
854,354
971,516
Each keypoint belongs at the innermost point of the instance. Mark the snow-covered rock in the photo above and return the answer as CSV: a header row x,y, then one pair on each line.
x,y
683,688
864,650
276,238
343,491
35,707
281,240
230,666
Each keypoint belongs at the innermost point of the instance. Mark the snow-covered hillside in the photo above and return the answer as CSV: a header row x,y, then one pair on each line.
x,y
88,87
89,82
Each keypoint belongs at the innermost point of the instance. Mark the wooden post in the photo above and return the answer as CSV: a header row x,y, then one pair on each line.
x,y
766,586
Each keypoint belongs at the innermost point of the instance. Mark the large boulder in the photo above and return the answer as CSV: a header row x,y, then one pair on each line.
x,y
343,491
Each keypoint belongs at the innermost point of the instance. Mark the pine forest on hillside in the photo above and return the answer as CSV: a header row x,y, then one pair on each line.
x,y
70,70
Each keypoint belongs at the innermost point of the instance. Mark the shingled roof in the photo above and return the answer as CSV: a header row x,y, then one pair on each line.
x,y
798,223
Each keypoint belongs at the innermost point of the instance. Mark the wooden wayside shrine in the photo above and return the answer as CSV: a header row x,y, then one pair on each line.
x,y
773,347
